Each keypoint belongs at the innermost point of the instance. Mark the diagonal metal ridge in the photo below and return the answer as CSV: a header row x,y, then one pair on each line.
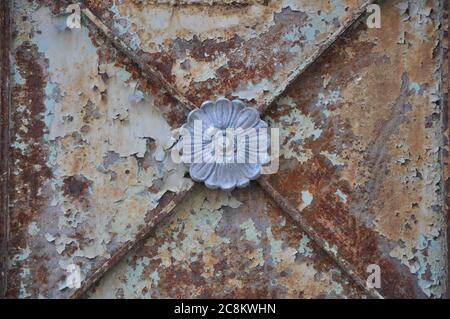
x,y
150,72
167,203
153,74
320,50
290,210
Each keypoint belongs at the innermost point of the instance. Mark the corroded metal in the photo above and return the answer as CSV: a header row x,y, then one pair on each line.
x,y
5,96
251,53
365,169
136,58
362,159
445,120
90,171
221,245
365,188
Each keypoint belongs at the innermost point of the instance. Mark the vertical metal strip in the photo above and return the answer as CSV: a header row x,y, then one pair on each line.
x,y
445,71
5,98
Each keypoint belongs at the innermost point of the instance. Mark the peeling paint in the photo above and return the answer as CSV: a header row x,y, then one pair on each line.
x,y
226,48
375,170
219,245
307,199
361,151
101,152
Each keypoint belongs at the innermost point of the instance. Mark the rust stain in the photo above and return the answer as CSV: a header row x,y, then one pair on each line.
x,y
227,246
361,167
87,144
5,104
369,151
31,172
227,53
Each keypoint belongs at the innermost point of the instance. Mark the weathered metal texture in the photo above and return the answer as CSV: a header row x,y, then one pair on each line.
x,y
247,52
221,245
5,97
445,127
339,171
38,87
362,161
362,155
90,171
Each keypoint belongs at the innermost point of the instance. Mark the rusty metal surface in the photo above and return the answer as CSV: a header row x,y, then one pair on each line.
x,y
89,164
445,127
219,245
248,52
365,168
362,158
5,96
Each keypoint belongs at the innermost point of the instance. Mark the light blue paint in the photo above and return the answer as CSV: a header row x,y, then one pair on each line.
x,y
154,276
303,247
341,195
307,198
310,32
431,259
134,42
413,86
329,99
134,274
19,145
123,74
292,35
423,242
17,77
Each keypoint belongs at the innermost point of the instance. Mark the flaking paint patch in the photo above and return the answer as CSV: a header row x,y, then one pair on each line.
x,y
33,229
375,101
286,33
107,148
295,128
124,139
250,231
304,248
333,158
421,234
188,70
408,166
250,90
215,240
341,195
278,253
307,199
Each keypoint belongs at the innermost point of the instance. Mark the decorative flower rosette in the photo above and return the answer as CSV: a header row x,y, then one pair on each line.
x,y
225,144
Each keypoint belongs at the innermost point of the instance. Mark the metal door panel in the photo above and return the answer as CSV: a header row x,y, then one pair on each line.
x,y
361,166
363,150
369,151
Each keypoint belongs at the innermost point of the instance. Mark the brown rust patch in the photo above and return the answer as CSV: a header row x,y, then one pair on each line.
x,y
30,165
252,58
215,247
364,172
76,186
5,105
